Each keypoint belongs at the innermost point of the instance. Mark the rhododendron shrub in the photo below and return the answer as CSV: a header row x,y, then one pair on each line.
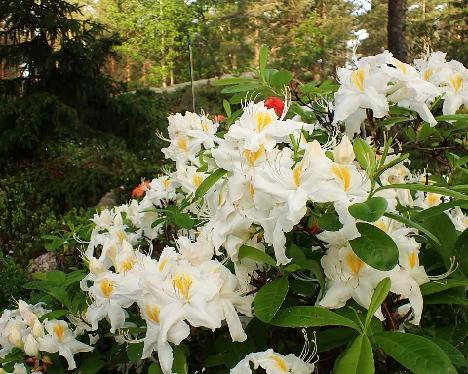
x,y
317,229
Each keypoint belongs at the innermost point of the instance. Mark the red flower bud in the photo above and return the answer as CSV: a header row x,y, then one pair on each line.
x,y
276,103
219,118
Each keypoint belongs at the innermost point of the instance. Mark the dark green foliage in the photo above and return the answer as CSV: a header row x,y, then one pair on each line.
x,y
11,282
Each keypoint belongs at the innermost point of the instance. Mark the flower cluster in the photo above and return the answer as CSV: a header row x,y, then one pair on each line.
x,y
22,328
382,79
255,183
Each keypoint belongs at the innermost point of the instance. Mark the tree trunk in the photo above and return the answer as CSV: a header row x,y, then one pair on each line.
x,y
396,29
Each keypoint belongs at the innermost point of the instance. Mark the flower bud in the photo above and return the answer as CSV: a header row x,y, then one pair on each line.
x,y
344,153
15,337
31,346
38,329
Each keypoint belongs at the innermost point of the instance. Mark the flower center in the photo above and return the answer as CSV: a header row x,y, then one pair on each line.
x,y
127,264
432,199
358,79
152,312
355,264
456,81
166,183
427,74
343,174
182,143
59,331
106,288
280,363
400,66
412,259
197,179
297,173
263,119
182,283
252,156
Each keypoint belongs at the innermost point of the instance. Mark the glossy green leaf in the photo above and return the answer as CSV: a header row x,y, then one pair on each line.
x,y
442,285
246,251
461,252
310,316
357,359
280,79
180,360
262,60
154,368
423,187
370,210
209,182
364,154
418,354
378,297
415,225
269,299
375,247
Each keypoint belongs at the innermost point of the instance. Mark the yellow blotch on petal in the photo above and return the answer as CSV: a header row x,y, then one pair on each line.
x,y
412,259
197,179
106,287
382,225
456,82
127,264
427,74
280,363
59,331
358,79
251,189
166,183
263,119
252,156
182,143
400,66
163,264
152,313
182,283
432,199
355,264
204,126
297,173
343,174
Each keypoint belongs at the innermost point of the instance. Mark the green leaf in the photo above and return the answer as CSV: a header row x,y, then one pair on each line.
x,y
389,122
134,351
436,210
209,182
378,297
375,247
262,60
453,353
183,220
246,251
357,359
415,352
242,88
417,226
370,210
329,221
92,363
310,316
227,107
390,164
154,368
335,337
281,79
453,296
270,298
442,285
180,360
453,117
364,155
423,187
461,252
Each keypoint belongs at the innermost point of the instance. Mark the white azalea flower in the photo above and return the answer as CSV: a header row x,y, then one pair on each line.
x,y
273,363
62,341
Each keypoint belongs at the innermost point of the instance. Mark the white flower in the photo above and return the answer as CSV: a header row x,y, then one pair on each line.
x,y
60,339
273,363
